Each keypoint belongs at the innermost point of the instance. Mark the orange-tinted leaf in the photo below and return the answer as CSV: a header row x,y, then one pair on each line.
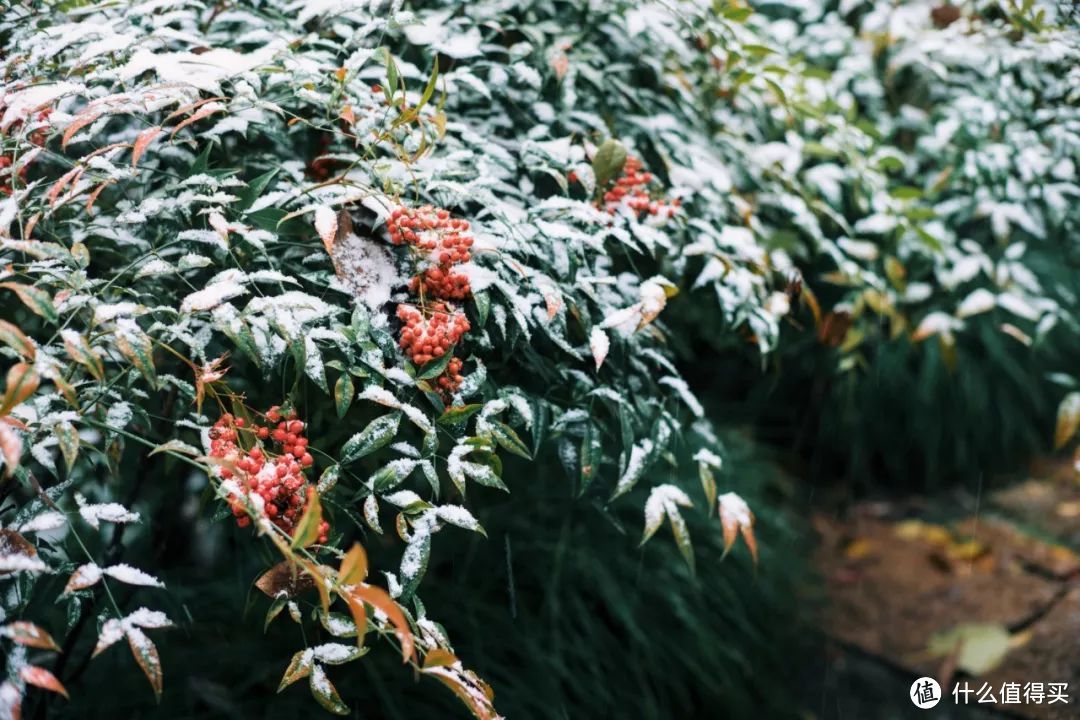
x,y
834,328
195,117
439,658
146,655
22,381
81,120
142,141
35,299
28,229
80,351
285,577
359,615
318,575
30,635
94,195
84,576
354,566
191,106
736,518
299,668
42,678
16,339
470,689
348,115
381,600
69,178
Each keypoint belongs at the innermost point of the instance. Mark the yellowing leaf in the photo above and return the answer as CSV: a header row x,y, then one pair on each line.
x,y
1068,420
980,647
22,381
307,530
80,351
17,340
36,299
354,566
299,668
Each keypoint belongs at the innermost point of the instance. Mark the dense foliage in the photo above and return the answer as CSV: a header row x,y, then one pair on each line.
x,y
295,292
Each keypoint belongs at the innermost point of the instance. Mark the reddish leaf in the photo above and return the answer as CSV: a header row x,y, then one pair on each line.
x,y
81,120
69,178
42,678
146,655
10,448
195,117
142,141
285,577
94,195
30,635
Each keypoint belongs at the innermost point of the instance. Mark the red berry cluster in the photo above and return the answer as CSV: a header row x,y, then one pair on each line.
x,y
427,337
277,477
451,379
430,330
446,240
632,190
38,138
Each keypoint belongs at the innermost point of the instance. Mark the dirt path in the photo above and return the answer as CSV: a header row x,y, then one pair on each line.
x,y
988,601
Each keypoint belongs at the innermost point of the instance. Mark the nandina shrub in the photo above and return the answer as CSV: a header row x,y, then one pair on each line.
x,y
292,283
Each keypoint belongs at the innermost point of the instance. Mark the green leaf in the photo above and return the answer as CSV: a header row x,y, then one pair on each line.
x,y
436,368
378,433
275,609
608,161
590,457
344,392
458,414
430,89
255,188
328,479
483,308
508,439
